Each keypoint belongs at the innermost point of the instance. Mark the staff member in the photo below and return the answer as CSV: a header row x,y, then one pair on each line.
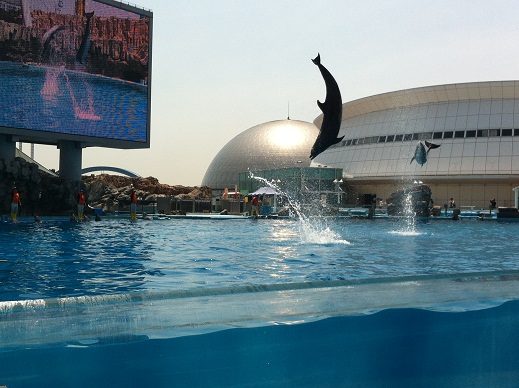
x,y
15,203
255,206
133,204
80,204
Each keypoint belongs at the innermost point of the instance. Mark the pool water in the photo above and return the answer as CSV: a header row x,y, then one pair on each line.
x,y
329,302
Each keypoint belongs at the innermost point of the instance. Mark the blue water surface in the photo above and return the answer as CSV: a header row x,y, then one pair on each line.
x,y
59,259
259,303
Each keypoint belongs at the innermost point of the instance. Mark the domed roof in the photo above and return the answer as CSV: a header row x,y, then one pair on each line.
x,y
272,145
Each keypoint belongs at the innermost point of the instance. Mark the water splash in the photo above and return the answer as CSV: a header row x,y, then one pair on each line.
x,y
311,234
313,229
409,214
406,232
409,217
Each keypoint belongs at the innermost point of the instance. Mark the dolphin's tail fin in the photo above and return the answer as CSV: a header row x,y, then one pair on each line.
x,y
89,14
430,146
317,60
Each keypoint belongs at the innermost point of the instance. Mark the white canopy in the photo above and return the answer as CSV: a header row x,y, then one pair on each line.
x,y
265,190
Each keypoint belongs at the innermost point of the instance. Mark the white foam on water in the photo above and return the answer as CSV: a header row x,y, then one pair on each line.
x,y
313,234
405,232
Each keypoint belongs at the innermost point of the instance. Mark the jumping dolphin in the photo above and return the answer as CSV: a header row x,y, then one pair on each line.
x,y
332,113
85,43
46,40
420,155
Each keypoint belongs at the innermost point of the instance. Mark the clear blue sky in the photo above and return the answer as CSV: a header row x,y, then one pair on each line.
x,y
221,67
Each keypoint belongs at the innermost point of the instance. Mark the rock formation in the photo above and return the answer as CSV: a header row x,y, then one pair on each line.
x,y
419,197
42,194
112,193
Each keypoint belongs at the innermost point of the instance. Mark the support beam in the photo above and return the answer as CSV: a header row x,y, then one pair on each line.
x,y
70,156
516,196
7,148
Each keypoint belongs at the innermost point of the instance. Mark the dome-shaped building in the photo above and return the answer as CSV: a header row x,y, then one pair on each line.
x,y
272,145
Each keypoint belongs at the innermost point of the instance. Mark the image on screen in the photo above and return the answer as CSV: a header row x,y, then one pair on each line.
x,y
75,67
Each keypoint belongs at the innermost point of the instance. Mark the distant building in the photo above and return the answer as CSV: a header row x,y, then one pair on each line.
x,y
303,183
475,124
272,145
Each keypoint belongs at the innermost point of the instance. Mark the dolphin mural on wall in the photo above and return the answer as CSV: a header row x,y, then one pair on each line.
x,y
85,42
332,113
420,154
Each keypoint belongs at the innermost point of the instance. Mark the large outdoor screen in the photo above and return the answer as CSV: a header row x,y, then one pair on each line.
x,y
75,70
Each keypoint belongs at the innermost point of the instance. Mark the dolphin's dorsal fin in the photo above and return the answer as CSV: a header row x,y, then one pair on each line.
x,y
338,140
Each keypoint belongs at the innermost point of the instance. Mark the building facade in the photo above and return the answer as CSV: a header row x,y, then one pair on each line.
x,y
476,126
302,183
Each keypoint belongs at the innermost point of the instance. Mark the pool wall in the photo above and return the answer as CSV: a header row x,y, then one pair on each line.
x,y
418,331
391,348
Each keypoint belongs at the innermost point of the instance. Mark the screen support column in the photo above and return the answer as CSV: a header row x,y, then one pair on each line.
x,y
70,156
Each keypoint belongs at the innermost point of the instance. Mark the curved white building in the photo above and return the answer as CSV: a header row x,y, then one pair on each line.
x,y
475,124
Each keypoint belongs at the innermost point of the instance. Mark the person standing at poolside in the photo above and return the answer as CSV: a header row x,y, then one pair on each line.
x,y
15,203
80,204
492,205
255,206
133,204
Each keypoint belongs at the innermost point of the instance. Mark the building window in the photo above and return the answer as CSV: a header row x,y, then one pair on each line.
x,y
471,133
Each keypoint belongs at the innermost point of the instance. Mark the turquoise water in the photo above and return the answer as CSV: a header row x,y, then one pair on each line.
x,y
259,303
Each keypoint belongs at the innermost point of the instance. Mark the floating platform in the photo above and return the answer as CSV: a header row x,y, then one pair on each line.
x,y
212,216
